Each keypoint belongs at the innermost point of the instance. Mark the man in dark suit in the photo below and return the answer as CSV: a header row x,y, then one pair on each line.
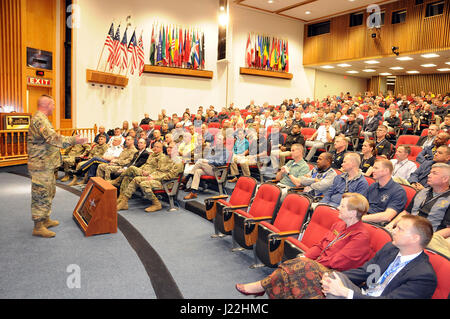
x,y
370,125
400,270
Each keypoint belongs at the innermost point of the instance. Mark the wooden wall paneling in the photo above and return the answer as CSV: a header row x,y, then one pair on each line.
x,y
436,83
418,34
11,92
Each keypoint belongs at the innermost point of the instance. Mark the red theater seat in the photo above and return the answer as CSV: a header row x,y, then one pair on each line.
x,y
441,266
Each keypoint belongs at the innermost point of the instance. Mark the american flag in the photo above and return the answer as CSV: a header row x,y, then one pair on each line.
x,y
132,47
140,55
122,58
115,43
109,42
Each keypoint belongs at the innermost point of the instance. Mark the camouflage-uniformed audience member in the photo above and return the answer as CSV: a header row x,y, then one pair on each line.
x,y
173,168
69,159
96,151
104,170
44,157
156,161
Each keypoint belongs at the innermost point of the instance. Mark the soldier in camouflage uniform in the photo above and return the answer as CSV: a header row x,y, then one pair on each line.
x,y
169,168
96,151
69,159
104,170
44,157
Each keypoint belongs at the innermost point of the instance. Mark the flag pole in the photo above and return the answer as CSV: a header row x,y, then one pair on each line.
x,y
101,54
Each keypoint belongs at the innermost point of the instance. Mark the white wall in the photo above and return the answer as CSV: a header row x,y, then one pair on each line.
x,y
327,83
151,92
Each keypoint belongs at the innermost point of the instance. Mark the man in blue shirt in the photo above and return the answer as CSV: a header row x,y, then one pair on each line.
x,y
351,181
386,197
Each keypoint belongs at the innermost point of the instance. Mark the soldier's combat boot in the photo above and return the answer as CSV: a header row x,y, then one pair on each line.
x,y
122,203
50,223
74,180
84,180
154,207
65,178
42,231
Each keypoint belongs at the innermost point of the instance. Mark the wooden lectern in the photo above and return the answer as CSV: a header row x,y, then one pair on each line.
x,y
96,211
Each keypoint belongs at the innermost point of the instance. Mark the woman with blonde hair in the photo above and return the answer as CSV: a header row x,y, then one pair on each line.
x,y
345,246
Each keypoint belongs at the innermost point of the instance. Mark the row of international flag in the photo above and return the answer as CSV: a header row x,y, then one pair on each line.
x,y
263,52
123,54
172,46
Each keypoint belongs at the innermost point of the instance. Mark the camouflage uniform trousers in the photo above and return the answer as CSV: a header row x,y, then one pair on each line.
x,y
105,170
68,162
126,177
146,186
43,189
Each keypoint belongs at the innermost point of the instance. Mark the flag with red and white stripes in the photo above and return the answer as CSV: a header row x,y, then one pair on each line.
x,y
140,55
132,48
109,42
122,56
115,44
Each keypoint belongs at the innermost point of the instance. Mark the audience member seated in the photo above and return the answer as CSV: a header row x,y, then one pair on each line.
x,y
125,128
368,157
104,170
136,127
428,139
112,153
445,126
151,129
392,122
345,246
432,203
101,131
298,119
278,155
351,180
428,152
386,197
287,127
325,134
403,167
320,178
240,156
350,128
290,174
370,125
405,271
418,179
215,156
340,148
410,118
172,168
383,147
157,161
69,159
96,151
146,120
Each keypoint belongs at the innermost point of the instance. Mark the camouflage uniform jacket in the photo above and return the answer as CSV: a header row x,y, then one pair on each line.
x,y
98,150
175,169
126,156
78,150
157,163
43,144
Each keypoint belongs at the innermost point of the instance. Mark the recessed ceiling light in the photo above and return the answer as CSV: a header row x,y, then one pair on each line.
x,y
430,55
396,68
270,1
345,65
307,12
369,70
385,73
372,62
444,69
429,65
327,67
447,63
412,72
352,72
405,58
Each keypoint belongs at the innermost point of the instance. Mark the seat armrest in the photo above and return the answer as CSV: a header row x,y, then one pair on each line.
x,y
213,198
284,234
227,208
